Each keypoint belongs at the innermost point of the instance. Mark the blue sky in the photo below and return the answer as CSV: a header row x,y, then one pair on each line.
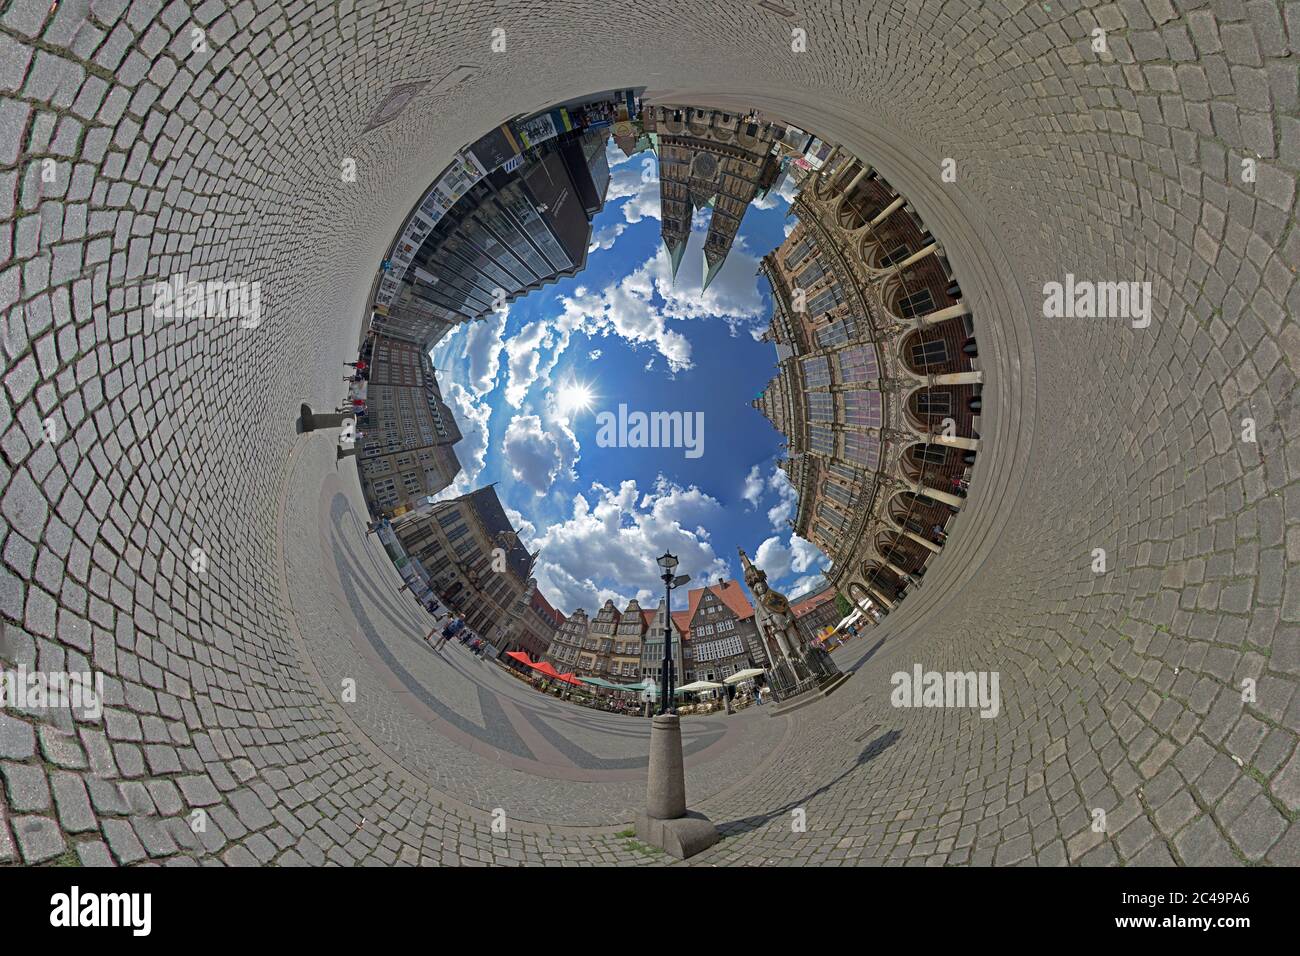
x,y
624,332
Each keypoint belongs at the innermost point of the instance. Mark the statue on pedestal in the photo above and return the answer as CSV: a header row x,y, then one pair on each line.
x,y
796,665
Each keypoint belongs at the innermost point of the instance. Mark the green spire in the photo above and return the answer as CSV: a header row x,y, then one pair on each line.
x,y
711,270
675,253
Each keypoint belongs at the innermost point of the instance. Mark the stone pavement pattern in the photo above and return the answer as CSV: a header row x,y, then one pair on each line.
x,y
1121,691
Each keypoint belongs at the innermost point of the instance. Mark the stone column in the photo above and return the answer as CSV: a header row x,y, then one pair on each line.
x,y
937,495
956,441
924,542
958,378
902,575
917,256
887,211
876,593
666,823
943,315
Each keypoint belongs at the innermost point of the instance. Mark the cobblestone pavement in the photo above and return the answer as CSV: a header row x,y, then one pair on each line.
x,y
145,462
463,724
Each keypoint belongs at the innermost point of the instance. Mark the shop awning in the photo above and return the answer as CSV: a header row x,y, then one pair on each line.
x,y
546,669
744,675
698,686
610,685
521,657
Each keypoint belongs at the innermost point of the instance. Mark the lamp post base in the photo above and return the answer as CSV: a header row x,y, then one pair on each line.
x,y
666,823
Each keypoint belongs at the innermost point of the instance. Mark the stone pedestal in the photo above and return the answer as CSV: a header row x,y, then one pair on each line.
x,y
311,421
666,823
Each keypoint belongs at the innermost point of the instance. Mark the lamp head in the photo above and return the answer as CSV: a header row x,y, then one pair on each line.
x,y
668,562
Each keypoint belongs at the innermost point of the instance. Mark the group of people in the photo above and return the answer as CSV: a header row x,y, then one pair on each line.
x,y
456,628
360,375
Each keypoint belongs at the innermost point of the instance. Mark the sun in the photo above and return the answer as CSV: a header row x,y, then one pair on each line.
x,y
574,397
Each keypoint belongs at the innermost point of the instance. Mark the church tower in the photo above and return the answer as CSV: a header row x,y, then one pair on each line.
x,y
709,158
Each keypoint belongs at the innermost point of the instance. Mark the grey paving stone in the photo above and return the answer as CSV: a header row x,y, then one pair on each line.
x,y
180,435
25,786
39,838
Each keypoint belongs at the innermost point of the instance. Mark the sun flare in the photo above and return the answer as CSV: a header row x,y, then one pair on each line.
x,y
575,397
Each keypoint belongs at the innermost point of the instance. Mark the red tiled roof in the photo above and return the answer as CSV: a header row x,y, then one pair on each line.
x,y
812,602
729,593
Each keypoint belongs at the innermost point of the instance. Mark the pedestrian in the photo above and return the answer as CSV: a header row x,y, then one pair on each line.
x,y
450,631
939,533
359,365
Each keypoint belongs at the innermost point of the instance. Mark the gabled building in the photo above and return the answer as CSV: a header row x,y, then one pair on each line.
x,y
652,647
598,657
722,631
625,665
540,623
569,641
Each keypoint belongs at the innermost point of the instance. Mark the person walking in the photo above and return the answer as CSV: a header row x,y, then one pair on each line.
x,y
451,630
359,365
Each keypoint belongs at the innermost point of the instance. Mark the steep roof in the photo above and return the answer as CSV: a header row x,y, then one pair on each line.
x,y
812,601
729,593
545,608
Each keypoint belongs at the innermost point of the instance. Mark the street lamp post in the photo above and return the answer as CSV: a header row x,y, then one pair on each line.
x,y
666,823
669,563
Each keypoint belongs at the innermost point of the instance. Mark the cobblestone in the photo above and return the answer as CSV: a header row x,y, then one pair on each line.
x,y
178,434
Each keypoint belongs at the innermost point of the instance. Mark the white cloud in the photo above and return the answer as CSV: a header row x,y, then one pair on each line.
x,y
753,488
806,585
635,183
788,505
483,351
534,454
640,307
524,360
603,238
774,558
782,196
608,546
593,355
804,555
472,417
476,345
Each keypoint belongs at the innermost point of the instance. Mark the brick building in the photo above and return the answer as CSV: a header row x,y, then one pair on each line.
x,y
722,631
538,626
817,611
